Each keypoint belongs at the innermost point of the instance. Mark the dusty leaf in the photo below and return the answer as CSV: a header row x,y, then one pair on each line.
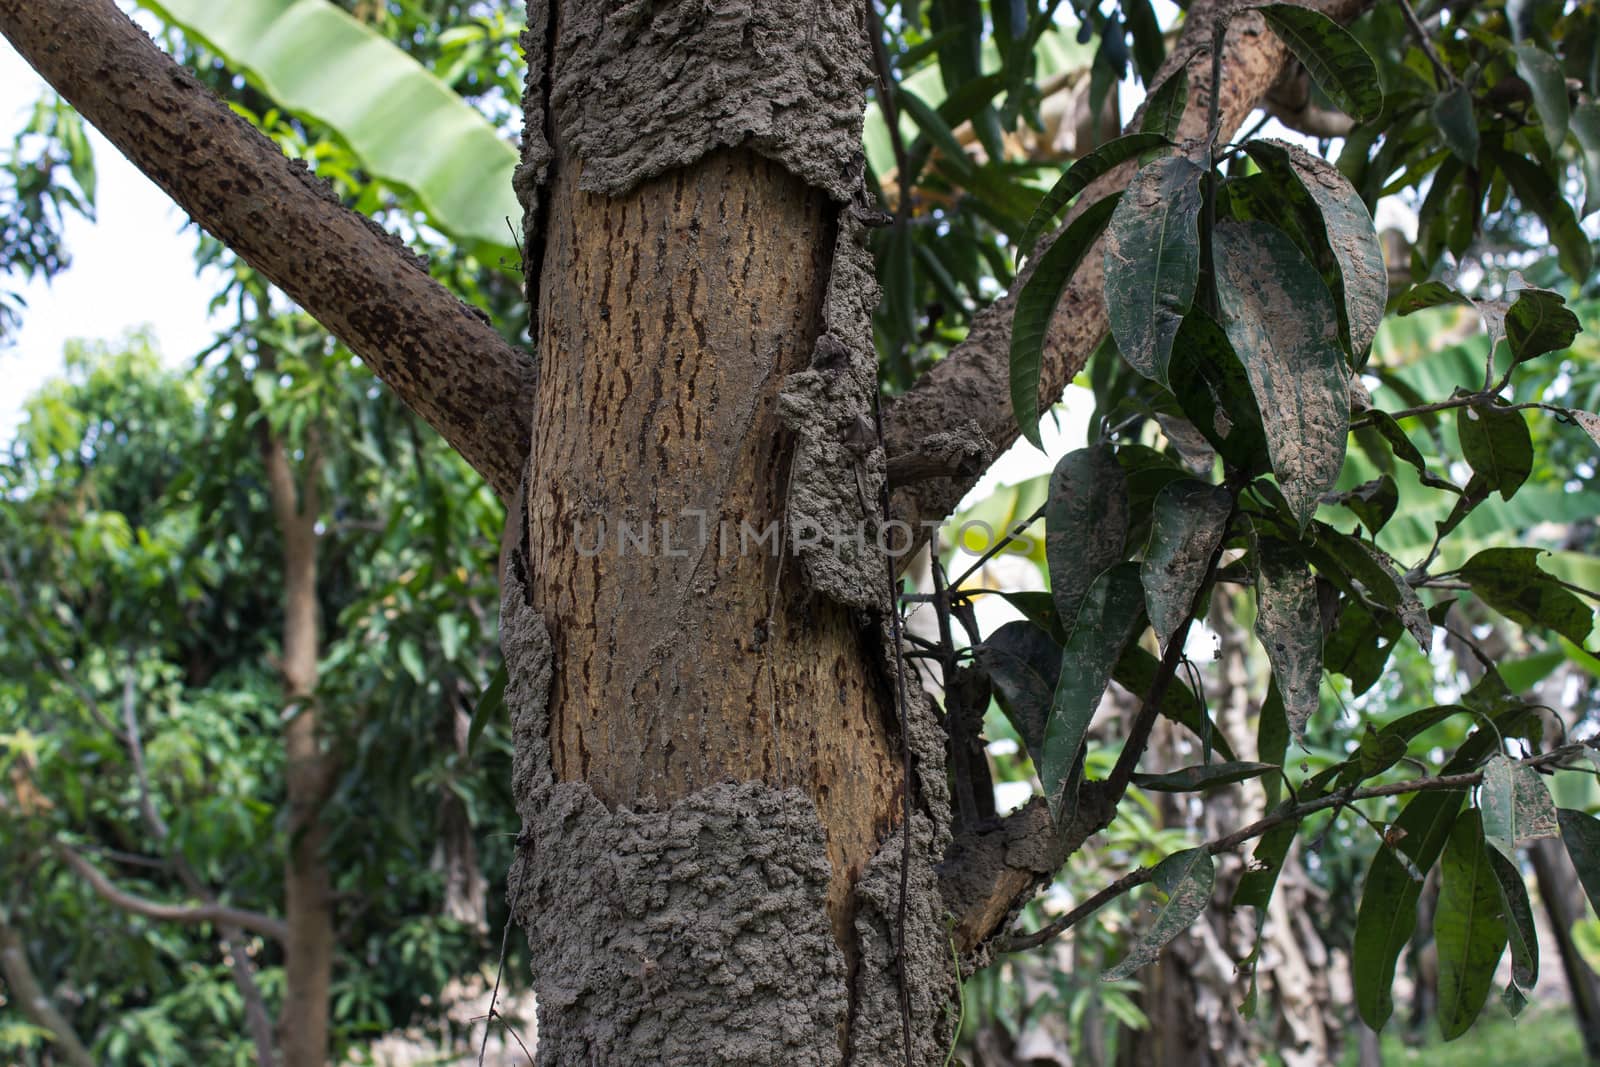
x,y
1332,56
1086,524
1152,261
1078,177
1290,628
1201,777
1186,878
1189,520
1280,318
1023,662
1581,834
1516,805
1511,581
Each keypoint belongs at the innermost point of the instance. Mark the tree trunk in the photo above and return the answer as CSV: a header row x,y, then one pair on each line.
x,y
1563,899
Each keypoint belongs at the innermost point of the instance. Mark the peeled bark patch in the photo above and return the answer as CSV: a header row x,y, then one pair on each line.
x,y
642,86
695,934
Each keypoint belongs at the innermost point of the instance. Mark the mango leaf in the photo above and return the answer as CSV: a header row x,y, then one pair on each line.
x,y
1280,319
1085,523
1428,295
1189,520
1039,608
1544,76
1406,450
1213,389
1516,805
1334,59
1136,672
1467,926
1152,261
1586,128
1518,914
1387,914
1202,777
1111,612
1255,889
1023,662
1511,581
1458,125
1037,303
1537,190
1497,445
490,704
312,58
1164,107
1539,321
1581,834
1372,567
1373,502
1272,738
1290,628
1359,645
1077,178
1186,878
1346,231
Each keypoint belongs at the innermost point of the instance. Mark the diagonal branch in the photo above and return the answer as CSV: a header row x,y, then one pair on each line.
x,y
221,914
439,356
973,380
32,1000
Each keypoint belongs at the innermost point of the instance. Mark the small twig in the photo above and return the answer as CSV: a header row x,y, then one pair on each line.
x,y
1426,42
505,940
999,546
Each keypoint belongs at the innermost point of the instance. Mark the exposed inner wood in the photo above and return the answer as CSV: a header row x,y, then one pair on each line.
x,y
688,652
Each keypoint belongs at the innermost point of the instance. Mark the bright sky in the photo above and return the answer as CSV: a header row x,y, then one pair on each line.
x,y
135,267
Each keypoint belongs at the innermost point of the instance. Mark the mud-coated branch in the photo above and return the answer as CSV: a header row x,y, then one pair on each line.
x,y
221,914
438,355
972,381
1287,814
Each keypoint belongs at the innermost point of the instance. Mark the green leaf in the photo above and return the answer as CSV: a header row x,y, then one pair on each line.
x,y
1077,178
1186,878
1543,74
1537,190
1086,524
1257,883
1281,320
1346,231
1037,303
1272,738
1511,581
1586,128
1202,777
1111,612
1373,502
1497,445
1539,321
317,61
1189,520
1152,261
1388,911
1213,389
1289,626
933,126
1359,645
1581,834
1023,662
1427,295
489,706
1467,927
1334,59
1516,805
1518,914
1458,125
1372,567
411,660
1164,107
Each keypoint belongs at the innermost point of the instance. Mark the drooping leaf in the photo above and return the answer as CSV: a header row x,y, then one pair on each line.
x,y
1467,926
1497,445
1290,629
1387,914
1202,777
1458,125
1511,581
1037,303
1164,107
1539,321
1373,502
1272,738
1359,646
1078,176
1332,56
490,704
1281,320
1111,611
1586,128
1518,915
1516,805
1186,878
1372,567
1023,662
1346,231
1189,520
1213,389
1544,76
1581,834
1152,261
1085,524
1427,295
1405,449
317,61
1538,191
1256,884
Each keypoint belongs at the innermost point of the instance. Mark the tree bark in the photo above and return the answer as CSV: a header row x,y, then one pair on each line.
x,y
1563,900
34,1003
441,357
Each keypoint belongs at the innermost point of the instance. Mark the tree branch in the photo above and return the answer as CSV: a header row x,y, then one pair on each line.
x,y
439,356
221,914
973,380
35,1003
1289,813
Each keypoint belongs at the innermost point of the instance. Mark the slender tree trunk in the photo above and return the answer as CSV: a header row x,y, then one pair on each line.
x,y
1563,900
308,895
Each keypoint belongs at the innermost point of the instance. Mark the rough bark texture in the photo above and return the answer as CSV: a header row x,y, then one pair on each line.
x,y
972,381
709,758
438,355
